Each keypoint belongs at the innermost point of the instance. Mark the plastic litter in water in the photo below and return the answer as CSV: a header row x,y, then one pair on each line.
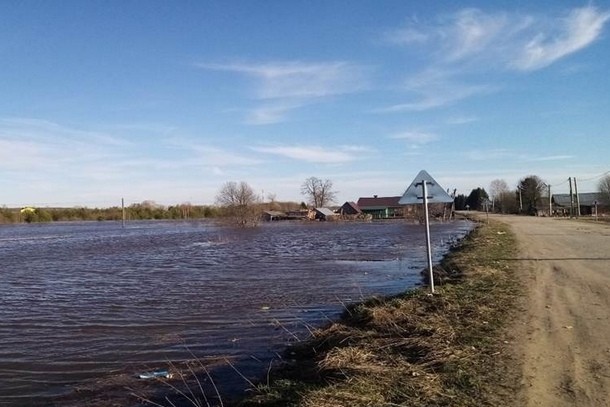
x,y
157,374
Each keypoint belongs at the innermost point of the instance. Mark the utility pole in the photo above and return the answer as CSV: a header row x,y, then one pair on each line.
x,y
550,203
520,201
571,199
577,198
428,245
453,203
123,211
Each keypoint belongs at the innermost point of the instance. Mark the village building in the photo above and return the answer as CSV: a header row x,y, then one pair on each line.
x,y
349,208
269,216
382,207
586,202
323,214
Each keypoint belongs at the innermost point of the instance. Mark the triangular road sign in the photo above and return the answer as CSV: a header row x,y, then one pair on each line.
x,y
436,193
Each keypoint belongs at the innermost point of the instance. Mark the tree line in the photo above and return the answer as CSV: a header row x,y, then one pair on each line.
x,y
237,203
146,210
530,195
526,198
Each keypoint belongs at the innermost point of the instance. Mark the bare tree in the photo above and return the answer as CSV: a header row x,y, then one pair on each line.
x,y
240,203
319,193
604,188
499,194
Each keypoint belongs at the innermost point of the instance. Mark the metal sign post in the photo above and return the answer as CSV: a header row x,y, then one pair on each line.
x,y
428,245
431,192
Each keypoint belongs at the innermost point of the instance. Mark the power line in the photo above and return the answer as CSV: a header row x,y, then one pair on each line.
x,y
597,177
561,183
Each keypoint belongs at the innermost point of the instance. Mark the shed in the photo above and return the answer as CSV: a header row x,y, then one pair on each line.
x,y
349,208
274,215
324,214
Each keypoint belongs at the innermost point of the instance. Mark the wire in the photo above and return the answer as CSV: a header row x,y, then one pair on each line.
x,y
561,183
597,177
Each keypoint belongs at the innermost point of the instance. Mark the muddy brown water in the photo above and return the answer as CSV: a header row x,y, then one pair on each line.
x,y
83,302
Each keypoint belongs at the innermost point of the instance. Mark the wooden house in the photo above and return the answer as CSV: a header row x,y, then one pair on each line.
x,y
349,209
382,207
587,202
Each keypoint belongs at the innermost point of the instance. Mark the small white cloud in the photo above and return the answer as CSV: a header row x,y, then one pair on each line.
x,y
309,154
270,114
472,31
552,158
416,137
458,120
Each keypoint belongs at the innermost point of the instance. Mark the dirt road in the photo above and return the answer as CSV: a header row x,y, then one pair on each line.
x,y
565,341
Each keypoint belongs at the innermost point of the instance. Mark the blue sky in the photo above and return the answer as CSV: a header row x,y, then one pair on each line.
x,y
166,101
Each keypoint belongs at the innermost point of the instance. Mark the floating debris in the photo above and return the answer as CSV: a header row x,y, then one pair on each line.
x,y
156,374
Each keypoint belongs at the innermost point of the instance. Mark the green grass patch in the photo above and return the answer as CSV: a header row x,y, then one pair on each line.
x,y
415,349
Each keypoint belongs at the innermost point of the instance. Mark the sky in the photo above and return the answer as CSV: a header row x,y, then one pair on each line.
x,y
167,101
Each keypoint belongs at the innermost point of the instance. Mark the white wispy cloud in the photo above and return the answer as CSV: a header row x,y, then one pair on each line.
x,y
313,154
288,85
470,32
55,164
576,31
552,158
472,41
508,40
270,113
416,138
512,156
436,88
458,120
198,154
297,79
33,144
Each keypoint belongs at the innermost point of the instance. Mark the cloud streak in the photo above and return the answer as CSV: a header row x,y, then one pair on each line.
x,y
416,138
313,154
287,85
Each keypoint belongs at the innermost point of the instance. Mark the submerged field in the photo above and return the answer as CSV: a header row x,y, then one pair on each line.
x,y
86,307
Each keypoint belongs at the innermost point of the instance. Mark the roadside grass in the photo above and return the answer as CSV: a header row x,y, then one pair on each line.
x,y
415,349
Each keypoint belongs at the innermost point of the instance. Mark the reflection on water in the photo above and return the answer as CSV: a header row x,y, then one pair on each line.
x,y
80,301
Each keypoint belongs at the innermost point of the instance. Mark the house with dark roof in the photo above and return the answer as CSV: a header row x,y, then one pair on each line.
x,y
349,209
269,216
587,201
382,207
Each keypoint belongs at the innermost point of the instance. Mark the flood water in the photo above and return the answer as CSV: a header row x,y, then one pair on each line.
x,y
82,301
